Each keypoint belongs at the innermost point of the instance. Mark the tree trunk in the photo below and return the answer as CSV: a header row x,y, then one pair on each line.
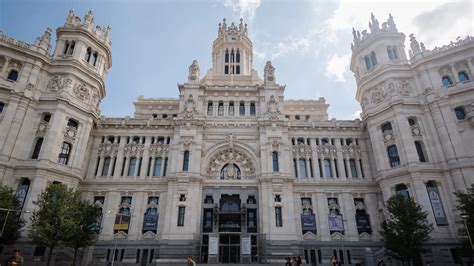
x,y
75,256
49,255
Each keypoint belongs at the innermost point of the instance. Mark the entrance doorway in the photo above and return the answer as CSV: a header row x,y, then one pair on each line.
x,y
229,248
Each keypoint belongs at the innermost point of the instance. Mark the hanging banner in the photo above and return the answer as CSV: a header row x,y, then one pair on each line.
x,y
121,222
437,206
246,250
308,222
213,245
150,222
335,223
363,223
21,193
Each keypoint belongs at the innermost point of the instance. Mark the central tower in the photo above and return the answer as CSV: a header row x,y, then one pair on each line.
x,y
232,50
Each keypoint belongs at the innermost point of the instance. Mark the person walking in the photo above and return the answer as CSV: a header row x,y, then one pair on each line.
x,y
16,259
288,261
190,260
333,261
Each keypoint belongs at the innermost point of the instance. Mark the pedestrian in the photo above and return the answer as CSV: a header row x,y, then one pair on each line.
x,y
299,262
16,259
294,262
288,261
190,260
333,261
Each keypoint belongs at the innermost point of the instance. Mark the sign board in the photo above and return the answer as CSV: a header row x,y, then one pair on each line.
x,y
437,206
308,222
246,247
21,193
213,245
150,222
335,223
363,223
121,222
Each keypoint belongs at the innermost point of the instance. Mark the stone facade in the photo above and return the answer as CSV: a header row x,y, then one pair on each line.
x,y
231,171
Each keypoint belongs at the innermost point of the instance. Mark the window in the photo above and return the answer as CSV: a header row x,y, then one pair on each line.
x,y
126,200
69,47
373,59
300,141
278,218
303,168
13,75
251,220
327,168
132,166
392,52
368,64
2,105
386,127
66,47
295,168
231,108
275,161
402,189
88,54
209,199
252,108
105,169
277,198
165,166
352,164
72,123
95,55
324,141
181,211
208,220
161,140
420,150
63,157
36,151
463,76
251,199
446,80
157,169
460,113
393,155
209,108
242,108
186,161
411,121
220,109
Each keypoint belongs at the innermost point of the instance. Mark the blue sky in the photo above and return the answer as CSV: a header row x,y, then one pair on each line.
x,y
308,42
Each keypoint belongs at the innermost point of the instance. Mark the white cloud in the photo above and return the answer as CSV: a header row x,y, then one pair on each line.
x,y
245,8
289,45
337,67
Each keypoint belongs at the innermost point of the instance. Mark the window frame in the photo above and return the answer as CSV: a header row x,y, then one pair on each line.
x,y
65,153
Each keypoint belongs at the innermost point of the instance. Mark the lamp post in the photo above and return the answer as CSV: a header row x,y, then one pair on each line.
x,y
6,218
115,244
465,217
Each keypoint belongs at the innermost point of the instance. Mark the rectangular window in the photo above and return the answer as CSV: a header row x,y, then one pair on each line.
x,y
209,113
231,108
419,150
181,211
335,168
278,217
353,166
275,161
242,108
295,168
105,168
393,155
186,161
303,168
165,166
327,168
252,109
320,168
132,166
36,151
157,169
251,220
208,220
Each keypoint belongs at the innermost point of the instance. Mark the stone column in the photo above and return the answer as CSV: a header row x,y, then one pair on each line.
x,y
349,215
152,166
127,164
359,172
101,165
5,68
453,73
322,216
333,166
119,162
471,68
146,157
93,158
340,157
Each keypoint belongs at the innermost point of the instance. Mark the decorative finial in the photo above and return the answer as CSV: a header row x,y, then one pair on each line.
x,y
89,18
391,23
193,76
414,45
373,24
269,73
71,17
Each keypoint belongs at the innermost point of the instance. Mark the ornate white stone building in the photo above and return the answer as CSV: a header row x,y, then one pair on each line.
x,y
230,171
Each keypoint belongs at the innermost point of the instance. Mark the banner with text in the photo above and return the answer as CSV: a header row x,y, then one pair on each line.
x,y
121,222
336,223
150,222
437,206
308,222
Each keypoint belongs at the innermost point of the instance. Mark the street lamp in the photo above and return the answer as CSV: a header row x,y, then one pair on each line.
x,y
465,217
6,218
115,244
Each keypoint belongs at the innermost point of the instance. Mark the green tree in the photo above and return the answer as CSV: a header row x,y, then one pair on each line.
x,y
14,222
51,221
406,229
81,226
465,205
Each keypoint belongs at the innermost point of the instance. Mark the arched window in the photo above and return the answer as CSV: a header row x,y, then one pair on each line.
x,y
132,166
13,75
210,108
220,109
303,172
46,117
73,123
386,127
105,168
71,48
186,161
300,141
327,168
37,149
446,80
392,52
157,168
421,151
373,59
63,157
95,55
353,166
88,54
237,57
275,161
252,109
402,189
2,105
460,113
231,108
66,47
463,76
368,64
242,108
393,157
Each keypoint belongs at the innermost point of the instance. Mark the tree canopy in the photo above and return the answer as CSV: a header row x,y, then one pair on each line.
x,y
14,222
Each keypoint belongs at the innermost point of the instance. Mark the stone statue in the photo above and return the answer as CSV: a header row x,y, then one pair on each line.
x,y
71,18
189,107
391,23
414,45
373,24
193,76
89,18
269,73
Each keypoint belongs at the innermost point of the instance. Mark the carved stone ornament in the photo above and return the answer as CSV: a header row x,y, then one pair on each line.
x,y
159,150
352,151
230,160
378,95
404,88
337,236
273,111
193,76
302,151
133,149
120,235
269,73
187,141
189,107
42,128
81,91
70,132
359,205
388,136
149,235
415,131
327,150
58,82
108,149
310,236
231,140
365,236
